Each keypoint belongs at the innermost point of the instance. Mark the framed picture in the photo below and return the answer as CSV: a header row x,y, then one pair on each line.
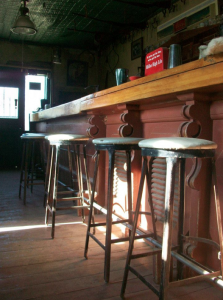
x,y
137,48
77,73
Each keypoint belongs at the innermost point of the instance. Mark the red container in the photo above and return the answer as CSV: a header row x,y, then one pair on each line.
x,y
156,61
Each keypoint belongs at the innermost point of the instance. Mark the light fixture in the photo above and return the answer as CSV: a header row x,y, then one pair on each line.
x,y
57,57
23,24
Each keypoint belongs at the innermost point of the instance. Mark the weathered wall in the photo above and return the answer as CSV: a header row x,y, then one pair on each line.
x,y
24,55
102,64
119,54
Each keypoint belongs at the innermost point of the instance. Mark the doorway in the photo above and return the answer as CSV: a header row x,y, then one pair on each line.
x,y
35,90
13,85
11,116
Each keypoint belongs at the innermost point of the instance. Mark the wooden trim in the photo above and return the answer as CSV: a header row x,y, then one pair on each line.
x,y
202,76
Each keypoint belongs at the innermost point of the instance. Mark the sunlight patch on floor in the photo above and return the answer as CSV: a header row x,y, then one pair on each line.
x,y
17,228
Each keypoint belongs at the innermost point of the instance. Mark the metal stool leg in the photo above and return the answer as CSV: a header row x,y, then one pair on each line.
x,y
88,184
218,211
81,188
156,257
181,214
129,188
167,227
79,175
76,151
48,191
91,205
55,185
47,175
27,154
43,158
109,215
70,165
131,242
22,168
32,163
149,182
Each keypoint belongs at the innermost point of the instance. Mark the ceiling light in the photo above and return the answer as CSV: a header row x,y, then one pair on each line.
x,y
23,24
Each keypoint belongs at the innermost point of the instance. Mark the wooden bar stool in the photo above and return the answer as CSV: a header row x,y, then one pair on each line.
x,y
111,145
33,162
175,151
73,144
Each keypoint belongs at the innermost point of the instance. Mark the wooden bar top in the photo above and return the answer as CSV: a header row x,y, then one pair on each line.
x,y
201,76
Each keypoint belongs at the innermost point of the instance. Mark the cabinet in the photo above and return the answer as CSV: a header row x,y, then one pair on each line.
x,y
190,40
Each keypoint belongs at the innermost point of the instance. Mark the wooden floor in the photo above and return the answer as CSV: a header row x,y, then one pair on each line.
x,y
33,266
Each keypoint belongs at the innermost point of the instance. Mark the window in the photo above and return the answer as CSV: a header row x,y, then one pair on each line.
x,y
9,102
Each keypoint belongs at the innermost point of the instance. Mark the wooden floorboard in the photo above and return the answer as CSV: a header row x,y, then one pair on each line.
x,y
33,266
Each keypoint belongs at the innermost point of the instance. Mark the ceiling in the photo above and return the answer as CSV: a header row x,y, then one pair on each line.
x,y
81,24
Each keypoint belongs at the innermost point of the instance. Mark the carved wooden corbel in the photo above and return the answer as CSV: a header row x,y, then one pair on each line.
x,y
98,126
198,124
131,119
197,113
125,130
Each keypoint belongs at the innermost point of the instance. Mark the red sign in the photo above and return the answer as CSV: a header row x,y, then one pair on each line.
x,y
156,61
179,25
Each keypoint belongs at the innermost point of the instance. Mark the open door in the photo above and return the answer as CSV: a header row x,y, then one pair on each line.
x,y
20,94
36,95
11,116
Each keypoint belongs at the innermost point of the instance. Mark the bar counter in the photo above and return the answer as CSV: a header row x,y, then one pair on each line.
x,y
200,76
184,101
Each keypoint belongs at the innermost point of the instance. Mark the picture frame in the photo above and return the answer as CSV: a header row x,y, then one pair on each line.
x,y
77,73
136,48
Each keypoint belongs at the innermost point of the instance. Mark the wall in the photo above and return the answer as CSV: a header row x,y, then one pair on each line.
x,y
119,54
101,67
39,57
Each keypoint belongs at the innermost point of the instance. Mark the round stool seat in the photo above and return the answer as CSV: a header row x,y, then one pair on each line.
x,y
66,137
177,143
117,141
32,136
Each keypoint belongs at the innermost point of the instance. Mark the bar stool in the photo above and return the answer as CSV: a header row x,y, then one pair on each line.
x,y
111,145
175,151
73,144
32,167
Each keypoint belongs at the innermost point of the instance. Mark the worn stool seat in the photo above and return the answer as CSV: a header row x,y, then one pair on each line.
x,y
111,145
72,142
177,143
29,161
63,138
117,141
175,151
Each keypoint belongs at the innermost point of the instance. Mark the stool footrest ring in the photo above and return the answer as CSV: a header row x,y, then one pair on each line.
x,y
68,199
155,290
96,240
73,207
113,223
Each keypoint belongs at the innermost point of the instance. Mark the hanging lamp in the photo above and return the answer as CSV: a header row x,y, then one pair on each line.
x,y
23,24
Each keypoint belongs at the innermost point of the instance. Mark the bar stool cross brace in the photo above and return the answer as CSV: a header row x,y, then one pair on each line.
x,y
111,145
68,193
174,158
